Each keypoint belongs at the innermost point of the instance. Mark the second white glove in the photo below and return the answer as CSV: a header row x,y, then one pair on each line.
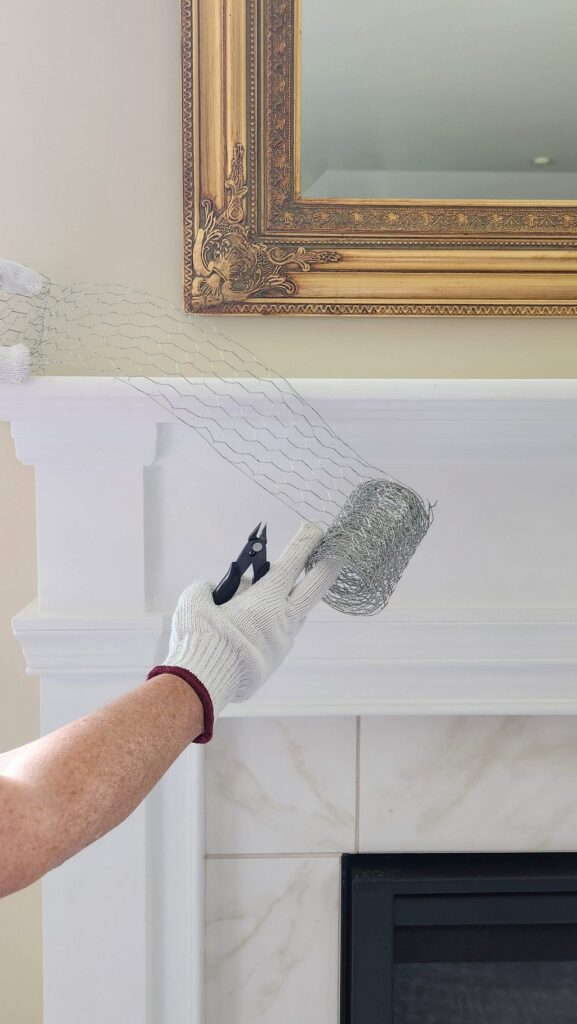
x,y
14,364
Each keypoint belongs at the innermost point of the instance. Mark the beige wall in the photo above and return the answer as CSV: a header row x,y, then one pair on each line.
x,y
90,189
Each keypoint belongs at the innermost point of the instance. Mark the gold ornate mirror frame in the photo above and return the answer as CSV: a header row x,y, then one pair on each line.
x,y
254,245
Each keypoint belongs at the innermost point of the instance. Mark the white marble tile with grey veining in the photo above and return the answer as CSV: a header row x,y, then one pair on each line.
x,y
468,784
281,785
272,941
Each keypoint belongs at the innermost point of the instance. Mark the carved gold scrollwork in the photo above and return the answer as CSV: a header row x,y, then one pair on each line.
x,y
228,265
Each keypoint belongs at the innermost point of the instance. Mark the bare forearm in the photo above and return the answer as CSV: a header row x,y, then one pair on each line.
x,y
60,793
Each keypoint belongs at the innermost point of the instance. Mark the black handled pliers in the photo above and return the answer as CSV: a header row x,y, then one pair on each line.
x,y
253,554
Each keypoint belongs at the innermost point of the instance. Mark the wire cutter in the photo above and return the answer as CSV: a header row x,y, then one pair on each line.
x,y
253,553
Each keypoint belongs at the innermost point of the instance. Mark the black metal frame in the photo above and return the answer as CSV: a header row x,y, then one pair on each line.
x,y
371,883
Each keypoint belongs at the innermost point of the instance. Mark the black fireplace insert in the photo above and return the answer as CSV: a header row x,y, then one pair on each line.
x,y
459,939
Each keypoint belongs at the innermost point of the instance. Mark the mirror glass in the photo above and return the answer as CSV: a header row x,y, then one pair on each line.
x,y
439,99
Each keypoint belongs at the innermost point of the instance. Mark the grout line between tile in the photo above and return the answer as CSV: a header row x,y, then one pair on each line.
x,y
271,856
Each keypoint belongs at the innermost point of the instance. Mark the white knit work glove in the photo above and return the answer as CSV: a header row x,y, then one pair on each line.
x,y
233,648
14,363
16,279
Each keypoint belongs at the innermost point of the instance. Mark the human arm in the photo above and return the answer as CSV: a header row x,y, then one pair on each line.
x,y
65,790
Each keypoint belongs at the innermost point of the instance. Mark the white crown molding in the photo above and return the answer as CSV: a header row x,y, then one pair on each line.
x,y
444,635
425,687
84,645
369,398
463,662
436,420
410,663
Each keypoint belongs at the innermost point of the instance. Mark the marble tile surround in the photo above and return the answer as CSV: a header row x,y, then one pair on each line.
x,y
281,785
468,784
285,797
272,940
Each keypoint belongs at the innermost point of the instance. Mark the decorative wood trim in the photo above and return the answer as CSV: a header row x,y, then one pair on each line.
x,y
253,245
229,266
461,661
107,407
175,858
60,644
337,308
465,661
428,688
189,145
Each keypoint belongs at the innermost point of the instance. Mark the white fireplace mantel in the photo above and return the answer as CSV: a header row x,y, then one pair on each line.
x,y
460,635
131,505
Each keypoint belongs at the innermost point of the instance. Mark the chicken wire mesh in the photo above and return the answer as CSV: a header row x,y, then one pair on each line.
x,y
253,417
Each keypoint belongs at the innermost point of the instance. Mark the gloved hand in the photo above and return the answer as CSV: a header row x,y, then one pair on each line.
x,y
232,649
14,363
16,279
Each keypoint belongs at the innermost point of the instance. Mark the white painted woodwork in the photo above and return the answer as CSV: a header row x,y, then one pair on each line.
x,y
131,506
89,490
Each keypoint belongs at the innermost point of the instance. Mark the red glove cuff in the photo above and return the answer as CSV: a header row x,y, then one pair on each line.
x,y
200,690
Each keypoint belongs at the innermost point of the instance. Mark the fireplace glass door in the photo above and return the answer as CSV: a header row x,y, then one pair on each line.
x,y
459,939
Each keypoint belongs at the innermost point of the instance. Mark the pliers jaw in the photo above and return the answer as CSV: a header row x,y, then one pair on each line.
x,y
254,551
253,554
